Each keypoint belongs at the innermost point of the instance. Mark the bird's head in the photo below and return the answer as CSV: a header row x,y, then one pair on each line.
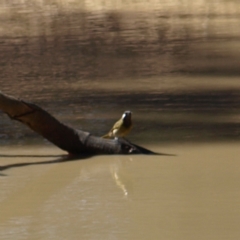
x,y
126,114
126,117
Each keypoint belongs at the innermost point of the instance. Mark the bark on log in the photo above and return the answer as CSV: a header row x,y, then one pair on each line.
x,y
72,140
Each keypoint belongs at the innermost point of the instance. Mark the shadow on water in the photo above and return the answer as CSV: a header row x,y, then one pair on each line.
x,y
30,156
158,117
59,159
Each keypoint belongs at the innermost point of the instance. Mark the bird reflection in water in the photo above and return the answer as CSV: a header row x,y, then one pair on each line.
x,y
114,170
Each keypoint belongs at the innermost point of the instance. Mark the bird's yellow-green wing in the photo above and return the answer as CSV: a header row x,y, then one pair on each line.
x,y
110,133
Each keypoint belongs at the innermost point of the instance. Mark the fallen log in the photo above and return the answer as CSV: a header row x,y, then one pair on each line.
x,y
72,140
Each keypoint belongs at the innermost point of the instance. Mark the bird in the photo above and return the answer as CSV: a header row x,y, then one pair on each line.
x,y
122,127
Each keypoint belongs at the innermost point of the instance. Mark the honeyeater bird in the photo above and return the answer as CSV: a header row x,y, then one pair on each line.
x,y
122,127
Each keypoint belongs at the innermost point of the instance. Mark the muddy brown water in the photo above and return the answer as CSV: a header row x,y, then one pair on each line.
x,y
175,65
193,195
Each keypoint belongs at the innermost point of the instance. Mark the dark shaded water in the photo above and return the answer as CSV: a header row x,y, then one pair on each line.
x,y
160,115
87,66
85,59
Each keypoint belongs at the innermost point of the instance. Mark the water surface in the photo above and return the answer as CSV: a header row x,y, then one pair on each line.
x,y
194,194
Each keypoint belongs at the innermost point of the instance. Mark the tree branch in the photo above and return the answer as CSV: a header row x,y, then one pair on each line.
x,y
72,140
